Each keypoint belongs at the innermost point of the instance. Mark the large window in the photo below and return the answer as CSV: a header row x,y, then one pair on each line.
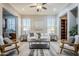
x,y
11,24
50,24
26,25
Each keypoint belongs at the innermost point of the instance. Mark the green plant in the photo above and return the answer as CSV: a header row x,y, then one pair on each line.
x,y
74,30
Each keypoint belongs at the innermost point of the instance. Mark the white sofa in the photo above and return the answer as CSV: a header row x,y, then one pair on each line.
x,y
43,36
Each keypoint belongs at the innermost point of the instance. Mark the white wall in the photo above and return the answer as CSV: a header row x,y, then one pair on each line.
x,y
0,20
39,24
72,20
18,26
78,19
58,27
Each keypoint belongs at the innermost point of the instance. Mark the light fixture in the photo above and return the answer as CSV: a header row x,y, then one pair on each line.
x,y
39,7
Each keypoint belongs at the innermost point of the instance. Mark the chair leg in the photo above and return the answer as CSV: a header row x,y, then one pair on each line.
x,y
2,50
61,50
17,48
76,49
62,46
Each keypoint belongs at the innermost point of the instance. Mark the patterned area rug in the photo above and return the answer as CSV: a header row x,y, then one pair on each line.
x,y
53,51
36,52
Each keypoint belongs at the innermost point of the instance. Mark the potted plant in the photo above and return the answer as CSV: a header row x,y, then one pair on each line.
x,y
73,32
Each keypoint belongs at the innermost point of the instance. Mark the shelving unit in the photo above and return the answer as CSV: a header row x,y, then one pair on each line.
x,y
64,29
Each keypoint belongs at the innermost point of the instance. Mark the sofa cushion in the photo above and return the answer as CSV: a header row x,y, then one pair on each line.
x,y
68,47
45,36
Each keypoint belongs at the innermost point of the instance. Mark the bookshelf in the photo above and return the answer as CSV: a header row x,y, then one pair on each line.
x,y
64,29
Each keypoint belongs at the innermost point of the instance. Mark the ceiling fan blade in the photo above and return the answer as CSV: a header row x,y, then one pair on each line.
x,y
37,10
44,3
32,6
44,7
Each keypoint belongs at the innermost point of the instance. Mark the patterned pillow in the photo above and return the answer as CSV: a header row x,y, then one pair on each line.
x,y
31,34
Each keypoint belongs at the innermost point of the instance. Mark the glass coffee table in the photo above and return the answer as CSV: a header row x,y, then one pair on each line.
x,y
39,44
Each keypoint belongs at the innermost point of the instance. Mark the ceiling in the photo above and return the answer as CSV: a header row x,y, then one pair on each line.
x,y
52,8
75,11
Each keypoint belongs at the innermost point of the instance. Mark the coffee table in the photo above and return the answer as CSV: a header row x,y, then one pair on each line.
x,y
39,44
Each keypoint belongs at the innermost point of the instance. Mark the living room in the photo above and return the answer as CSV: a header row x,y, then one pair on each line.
x,y
37,28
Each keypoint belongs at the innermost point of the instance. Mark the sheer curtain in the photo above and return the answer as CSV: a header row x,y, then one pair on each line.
x,y
26,25
50,24
11,24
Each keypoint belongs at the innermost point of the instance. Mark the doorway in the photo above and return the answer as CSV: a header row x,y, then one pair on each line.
x,y
64,27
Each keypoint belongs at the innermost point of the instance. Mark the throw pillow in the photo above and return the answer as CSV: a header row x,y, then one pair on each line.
x,y
31,34
7,40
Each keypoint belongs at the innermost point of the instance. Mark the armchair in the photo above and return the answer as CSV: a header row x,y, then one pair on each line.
x,y
10,45
70,46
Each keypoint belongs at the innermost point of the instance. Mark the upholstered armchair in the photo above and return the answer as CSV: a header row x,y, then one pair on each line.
x,y
70,46
6,45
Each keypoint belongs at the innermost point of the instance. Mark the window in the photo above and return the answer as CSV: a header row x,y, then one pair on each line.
x,y
26,25
50,24
11,24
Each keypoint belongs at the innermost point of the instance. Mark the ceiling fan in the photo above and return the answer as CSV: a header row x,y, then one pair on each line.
x,y
39,6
